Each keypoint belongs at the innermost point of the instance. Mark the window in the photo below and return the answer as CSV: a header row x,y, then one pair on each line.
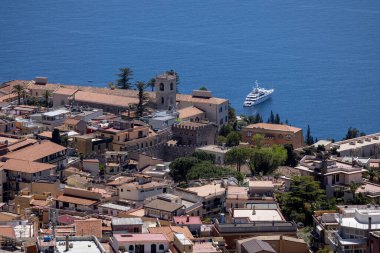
x,y
121,189
249,134
220,109
131,248
171,86
161,247
162,100
162,87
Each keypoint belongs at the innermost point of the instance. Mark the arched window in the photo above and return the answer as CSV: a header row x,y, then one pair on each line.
x,y
153,248
162,100
161,247
131,248
162,87
171,86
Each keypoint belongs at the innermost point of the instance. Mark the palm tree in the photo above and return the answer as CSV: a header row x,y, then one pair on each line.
x,y
24,96
46,94
151,83
125,75
143,97
19,90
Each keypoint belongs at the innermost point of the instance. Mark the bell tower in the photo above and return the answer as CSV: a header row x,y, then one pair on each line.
x,y
166,90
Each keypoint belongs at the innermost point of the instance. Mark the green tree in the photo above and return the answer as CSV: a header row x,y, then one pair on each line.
x,y
56,136
125,77
266,160
238,156
151,83
353,133
231,115
220,140
202,88
206,169
46,95
258,140
303,198
180,167
291,159
277,119
142,96
204,156
258,118
19,90
372,173
233,139
309,138
271,118
323,251
353,187
225,130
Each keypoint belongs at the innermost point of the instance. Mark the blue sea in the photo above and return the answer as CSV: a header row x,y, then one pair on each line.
x,y
321,57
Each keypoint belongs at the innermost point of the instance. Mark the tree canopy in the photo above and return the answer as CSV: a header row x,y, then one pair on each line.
x,y
303,198
352,133
266,160
181,166
125,76
206,169
204,156
238,156
233,139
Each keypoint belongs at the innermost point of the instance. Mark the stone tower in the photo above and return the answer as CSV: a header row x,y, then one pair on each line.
x,y
165,87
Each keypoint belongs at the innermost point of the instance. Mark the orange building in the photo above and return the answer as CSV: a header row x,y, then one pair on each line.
x,y
273,134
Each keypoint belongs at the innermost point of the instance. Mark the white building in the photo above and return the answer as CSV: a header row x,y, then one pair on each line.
x,y
354,227
139,192
139,243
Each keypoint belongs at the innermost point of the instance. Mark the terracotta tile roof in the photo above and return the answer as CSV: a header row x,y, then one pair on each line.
x,y
65,91
8,86
26,166
190,98
170,231
274,127
159,204
47,134
66,219
36,152
37,202
21,144
98,98
76,200
88,227
7,231
72,121
188,112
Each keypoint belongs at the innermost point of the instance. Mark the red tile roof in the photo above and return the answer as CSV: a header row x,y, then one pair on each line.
x,y
36,152
26,166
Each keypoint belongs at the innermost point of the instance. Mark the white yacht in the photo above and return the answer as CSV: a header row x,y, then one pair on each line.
x,y
257,95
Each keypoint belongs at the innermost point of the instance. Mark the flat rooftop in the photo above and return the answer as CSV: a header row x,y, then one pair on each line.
x,y
214,149
79,247
208,189
258,215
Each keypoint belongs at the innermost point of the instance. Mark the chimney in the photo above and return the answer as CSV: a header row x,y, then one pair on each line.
x,y
187,218
67,243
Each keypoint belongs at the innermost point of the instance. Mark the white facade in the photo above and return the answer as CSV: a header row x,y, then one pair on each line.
x,y
136,192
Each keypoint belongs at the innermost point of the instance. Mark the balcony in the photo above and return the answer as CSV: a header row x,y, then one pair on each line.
x,y
338,244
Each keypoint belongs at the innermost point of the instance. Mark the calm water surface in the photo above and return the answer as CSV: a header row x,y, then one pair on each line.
x,y
321,57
